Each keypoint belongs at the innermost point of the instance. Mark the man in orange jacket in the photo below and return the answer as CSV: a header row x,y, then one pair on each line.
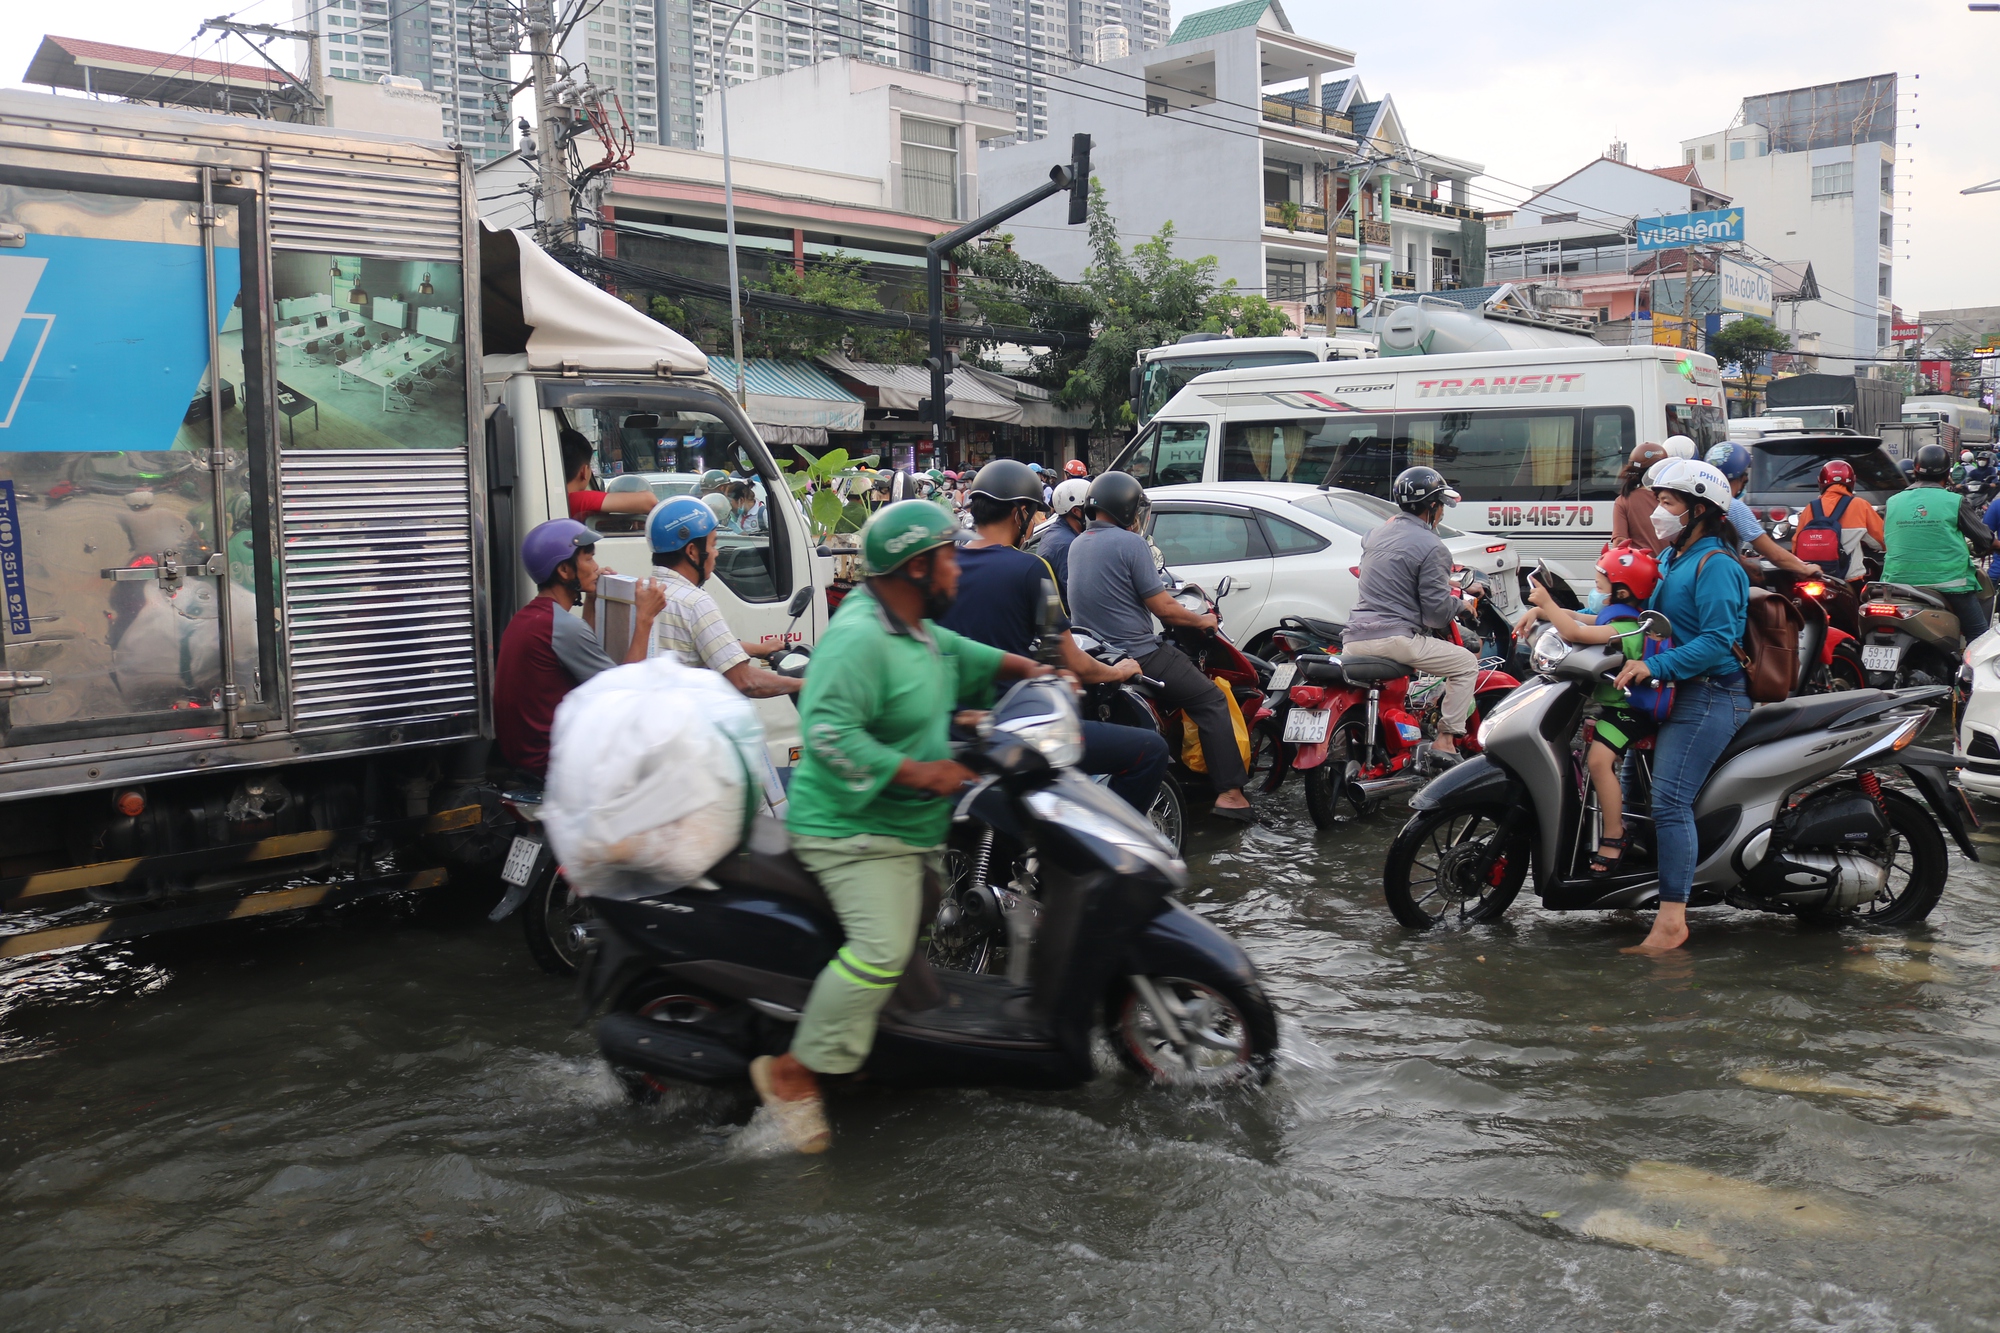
x,y
1833,529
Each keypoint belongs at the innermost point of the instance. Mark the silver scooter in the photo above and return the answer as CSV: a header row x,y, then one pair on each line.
x,y
1793,817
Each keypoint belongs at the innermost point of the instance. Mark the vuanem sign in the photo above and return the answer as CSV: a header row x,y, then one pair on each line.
x,y
1683,229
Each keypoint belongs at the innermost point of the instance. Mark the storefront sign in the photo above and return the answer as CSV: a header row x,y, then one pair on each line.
x,y
1683,229
1906,333
1745,287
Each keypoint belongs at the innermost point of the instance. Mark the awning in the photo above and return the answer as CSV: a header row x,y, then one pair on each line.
x,y
901,388
531,304
1038,406
791,396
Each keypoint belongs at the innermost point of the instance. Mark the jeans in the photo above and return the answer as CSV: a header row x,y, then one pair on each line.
x,y
1970,608
1197,695
1705,716
1135,757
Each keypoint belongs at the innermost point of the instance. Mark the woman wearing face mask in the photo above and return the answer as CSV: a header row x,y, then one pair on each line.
x,y
1707,599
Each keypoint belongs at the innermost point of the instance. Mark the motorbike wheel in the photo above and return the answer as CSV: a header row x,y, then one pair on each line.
x,y
1432,870
1918,864
551,921
1234,1033
1845,673
1169,813
1327,783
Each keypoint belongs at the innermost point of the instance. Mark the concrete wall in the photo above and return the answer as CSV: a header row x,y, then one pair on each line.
x,y
1155,169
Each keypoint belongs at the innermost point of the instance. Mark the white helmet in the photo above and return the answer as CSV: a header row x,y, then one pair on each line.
x,y
1695,479
1071,495
1678,446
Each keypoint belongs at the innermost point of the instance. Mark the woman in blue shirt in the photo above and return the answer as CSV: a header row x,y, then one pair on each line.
x,y
1706,594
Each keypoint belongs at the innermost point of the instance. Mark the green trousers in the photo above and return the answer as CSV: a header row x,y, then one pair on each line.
x,y
876,884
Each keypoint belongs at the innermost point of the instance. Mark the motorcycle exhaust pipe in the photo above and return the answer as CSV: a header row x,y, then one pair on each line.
x,y
1385,786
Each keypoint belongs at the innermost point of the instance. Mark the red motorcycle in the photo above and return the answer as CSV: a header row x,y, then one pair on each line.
x,y
1358,728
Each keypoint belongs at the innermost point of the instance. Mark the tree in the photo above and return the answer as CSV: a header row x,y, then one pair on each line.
x,y
1744,343
998,286
1148,298
1962,350
839,281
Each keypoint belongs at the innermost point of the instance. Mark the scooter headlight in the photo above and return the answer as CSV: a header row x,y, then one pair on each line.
x,y
1548,652
1042,715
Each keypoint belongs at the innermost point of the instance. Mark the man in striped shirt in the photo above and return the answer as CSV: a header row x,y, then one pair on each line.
x,y
681,532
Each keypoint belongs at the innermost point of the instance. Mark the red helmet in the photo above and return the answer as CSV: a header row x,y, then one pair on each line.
x,y
1839,472
1076,468
1633,566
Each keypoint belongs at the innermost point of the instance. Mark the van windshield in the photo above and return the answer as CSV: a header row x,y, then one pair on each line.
x,y
1167,376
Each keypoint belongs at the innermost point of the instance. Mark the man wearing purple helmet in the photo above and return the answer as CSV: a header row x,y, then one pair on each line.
x,y
546,652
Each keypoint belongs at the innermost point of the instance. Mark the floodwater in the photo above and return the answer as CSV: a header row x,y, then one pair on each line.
x,y
385,1120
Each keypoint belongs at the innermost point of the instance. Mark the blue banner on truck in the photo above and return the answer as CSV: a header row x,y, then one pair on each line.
x,y
101,341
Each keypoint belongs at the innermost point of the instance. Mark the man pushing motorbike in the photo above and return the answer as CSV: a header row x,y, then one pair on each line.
x,y
869,803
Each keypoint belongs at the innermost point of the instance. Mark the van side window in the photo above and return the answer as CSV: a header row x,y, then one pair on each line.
x,y
1138,460
1183,452
1499,455
1608,441
1316,451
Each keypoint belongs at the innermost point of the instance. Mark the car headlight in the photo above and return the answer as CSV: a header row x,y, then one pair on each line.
x,y
1548,652
1042,715
1139,838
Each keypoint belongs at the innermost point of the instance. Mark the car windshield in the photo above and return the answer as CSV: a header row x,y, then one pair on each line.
x,y
1358,513
1795,465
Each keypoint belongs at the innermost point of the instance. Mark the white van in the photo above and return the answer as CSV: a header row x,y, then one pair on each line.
x,y
1533,440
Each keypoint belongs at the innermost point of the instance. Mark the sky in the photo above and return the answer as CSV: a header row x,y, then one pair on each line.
x,y
1534,91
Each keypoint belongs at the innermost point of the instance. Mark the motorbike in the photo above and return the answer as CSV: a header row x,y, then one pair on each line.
x,y
1135,702
1909,636
1829,647
551,916
1358,728
1794,817
694,982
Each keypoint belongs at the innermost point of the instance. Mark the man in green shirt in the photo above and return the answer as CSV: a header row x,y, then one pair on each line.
x,y
869,804
1925,531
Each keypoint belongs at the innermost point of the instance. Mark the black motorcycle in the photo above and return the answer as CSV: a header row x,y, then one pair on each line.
x,y
704,978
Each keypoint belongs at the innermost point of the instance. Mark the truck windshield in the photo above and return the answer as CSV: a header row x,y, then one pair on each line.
x,y
1168,375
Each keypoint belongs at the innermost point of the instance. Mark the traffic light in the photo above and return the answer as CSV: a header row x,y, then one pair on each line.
x,y
1079,179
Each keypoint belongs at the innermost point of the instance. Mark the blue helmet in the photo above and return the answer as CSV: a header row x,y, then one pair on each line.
x,y
549,544
676,522
1732,460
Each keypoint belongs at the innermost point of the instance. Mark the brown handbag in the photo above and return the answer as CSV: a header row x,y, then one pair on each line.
x,y
1769,651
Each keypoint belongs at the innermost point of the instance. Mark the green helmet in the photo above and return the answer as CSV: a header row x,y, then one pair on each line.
x,y
901,532
713,480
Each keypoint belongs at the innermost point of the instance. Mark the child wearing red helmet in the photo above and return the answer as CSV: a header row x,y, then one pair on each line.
x,y
1626,576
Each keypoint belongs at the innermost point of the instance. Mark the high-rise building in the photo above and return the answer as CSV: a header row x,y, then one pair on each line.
x,y
431,43
615,47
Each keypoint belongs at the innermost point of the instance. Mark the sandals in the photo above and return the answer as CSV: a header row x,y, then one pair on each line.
x,y
1603,867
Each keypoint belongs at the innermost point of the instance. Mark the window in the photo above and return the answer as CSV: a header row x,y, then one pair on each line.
x,y
1205,537
1316,451
1833,180
930,168
1708,152
1885,230
1883,286
1704,425
1687,158
1888,178
1173,454
1289,538
1736,151
1285,279
1497,455
1608,440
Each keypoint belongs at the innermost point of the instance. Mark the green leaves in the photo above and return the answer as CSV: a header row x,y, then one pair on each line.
x,y
825,512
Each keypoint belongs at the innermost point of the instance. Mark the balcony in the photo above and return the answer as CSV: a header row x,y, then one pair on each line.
x,y
1437,208
1373,232
1306,118
1403,282
1303,218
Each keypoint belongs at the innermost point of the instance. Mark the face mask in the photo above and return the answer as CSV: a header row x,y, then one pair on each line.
x,y
1667,525
1596,601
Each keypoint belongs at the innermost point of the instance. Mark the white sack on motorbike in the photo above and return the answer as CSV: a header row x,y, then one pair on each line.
x,y
649,768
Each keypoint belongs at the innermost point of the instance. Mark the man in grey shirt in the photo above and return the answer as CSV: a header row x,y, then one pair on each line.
x,y
1115,592
1406,593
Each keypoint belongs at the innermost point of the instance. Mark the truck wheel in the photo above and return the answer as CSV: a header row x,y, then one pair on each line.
x,y
552,921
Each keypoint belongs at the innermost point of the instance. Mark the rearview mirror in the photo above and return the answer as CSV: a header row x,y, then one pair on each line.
x,y
800,601
1655,625
1222,588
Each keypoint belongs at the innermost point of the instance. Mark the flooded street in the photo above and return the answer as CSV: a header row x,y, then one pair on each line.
x,y
387,1121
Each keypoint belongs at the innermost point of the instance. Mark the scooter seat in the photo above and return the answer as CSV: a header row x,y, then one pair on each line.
x,y
1775,722
1911,593
1329,630
779,872
1370,669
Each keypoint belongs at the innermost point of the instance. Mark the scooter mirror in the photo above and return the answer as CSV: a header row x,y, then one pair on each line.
x,y
1222,588
1656,625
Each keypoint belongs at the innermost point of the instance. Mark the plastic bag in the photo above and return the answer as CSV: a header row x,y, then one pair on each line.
x,y
655,770
1191,754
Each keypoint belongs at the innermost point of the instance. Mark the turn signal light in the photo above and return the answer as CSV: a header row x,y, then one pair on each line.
x,y
1813,589
131,804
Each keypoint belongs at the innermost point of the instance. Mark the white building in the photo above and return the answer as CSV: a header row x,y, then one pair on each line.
x,y
1242,134
1814,171
915,132
362,40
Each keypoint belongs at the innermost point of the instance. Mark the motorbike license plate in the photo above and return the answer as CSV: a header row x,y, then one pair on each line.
x,y
1880,656
1307,726
1282,676
521,858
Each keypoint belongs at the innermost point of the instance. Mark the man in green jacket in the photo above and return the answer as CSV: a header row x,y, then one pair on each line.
x,y
1926,530
869,805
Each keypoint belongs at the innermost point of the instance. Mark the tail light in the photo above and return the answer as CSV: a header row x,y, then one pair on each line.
x,y
1813,589
1887,610
1354,570
1779,513
1309,696
1498,548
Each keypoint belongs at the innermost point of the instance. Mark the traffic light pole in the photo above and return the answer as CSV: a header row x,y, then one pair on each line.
x,y
1075,179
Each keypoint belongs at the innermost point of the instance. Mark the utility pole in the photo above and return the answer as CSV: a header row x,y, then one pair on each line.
x,y
558,221
314,110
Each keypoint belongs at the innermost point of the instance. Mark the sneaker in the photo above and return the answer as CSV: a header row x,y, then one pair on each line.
x,y
1434,760
802,1120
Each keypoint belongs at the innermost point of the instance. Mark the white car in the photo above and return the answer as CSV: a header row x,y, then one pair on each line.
x,y
1979,728
1295,550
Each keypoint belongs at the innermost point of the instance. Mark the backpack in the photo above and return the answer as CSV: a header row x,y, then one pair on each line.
x,y
1769,652
1819,538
